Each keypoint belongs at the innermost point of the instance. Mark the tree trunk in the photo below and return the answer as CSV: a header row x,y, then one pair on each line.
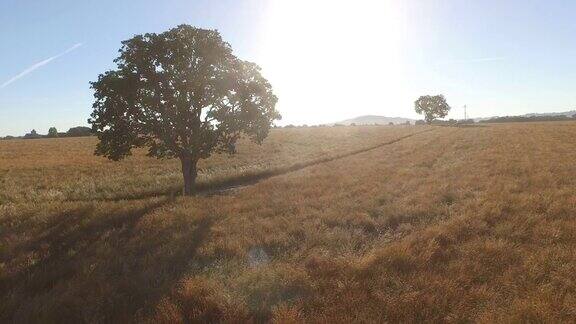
x,y
190,173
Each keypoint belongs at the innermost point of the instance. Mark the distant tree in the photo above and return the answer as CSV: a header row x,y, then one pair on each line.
x,y
465,121
353,124
432,107
32,134
52,132
182,94
390,124
524,119
79,131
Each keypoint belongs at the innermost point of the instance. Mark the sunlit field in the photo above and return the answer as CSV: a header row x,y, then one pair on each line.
x,y
66,169
330,224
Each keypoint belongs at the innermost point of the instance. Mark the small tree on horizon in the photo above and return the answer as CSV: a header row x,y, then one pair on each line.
x,y
182,94
432,107
79,131
52,132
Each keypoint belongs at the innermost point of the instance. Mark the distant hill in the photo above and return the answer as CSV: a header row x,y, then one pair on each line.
x,y
373,119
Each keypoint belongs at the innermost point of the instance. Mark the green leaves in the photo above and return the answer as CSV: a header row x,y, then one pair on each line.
x,y
52,132
432,107
179,93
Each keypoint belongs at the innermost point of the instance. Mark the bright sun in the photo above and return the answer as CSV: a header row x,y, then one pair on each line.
x,y
330,60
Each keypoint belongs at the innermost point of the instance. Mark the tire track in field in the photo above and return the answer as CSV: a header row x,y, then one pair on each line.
x,y
241,182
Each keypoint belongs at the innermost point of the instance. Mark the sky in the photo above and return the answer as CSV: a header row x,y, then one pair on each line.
x,y
327,60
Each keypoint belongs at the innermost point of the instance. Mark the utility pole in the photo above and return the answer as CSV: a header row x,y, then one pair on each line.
x,y
465,115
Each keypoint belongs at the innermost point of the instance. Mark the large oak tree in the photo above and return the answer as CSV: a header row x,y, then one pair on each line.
x,y
432,107
182,94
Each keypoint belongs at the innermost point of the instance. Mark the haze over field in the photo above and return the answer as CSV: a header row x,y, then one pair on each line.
x,y
275,161
327,60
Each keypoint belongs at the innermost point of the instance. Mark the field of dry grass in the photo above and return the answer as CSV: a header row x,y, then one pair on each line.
x,y
449,225
66,169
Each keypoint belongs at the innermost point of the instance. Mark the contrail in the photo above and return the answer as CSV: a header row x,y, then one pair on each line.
x,y
38,65
486,59
477,60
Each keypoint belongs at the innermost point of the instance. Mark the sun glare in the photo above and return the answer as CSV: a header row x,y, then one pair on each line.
x,y
326,59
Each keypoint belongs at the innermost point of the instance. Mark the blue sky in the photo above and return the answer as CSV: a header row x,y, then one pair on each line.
x,y
327,60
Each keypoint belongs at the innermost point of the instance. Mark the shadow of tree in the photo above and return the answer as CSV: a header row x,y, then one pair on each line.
x,y
94,264
217,186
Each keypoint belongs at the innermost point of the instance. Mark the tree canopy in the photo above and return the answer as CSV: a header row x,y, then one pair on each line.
x,y
79,131
432,107
52,132
182,94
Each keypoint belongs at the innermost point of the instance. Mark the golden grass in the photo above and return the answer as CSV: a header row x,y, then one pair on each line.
x,y
66,169
450,225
